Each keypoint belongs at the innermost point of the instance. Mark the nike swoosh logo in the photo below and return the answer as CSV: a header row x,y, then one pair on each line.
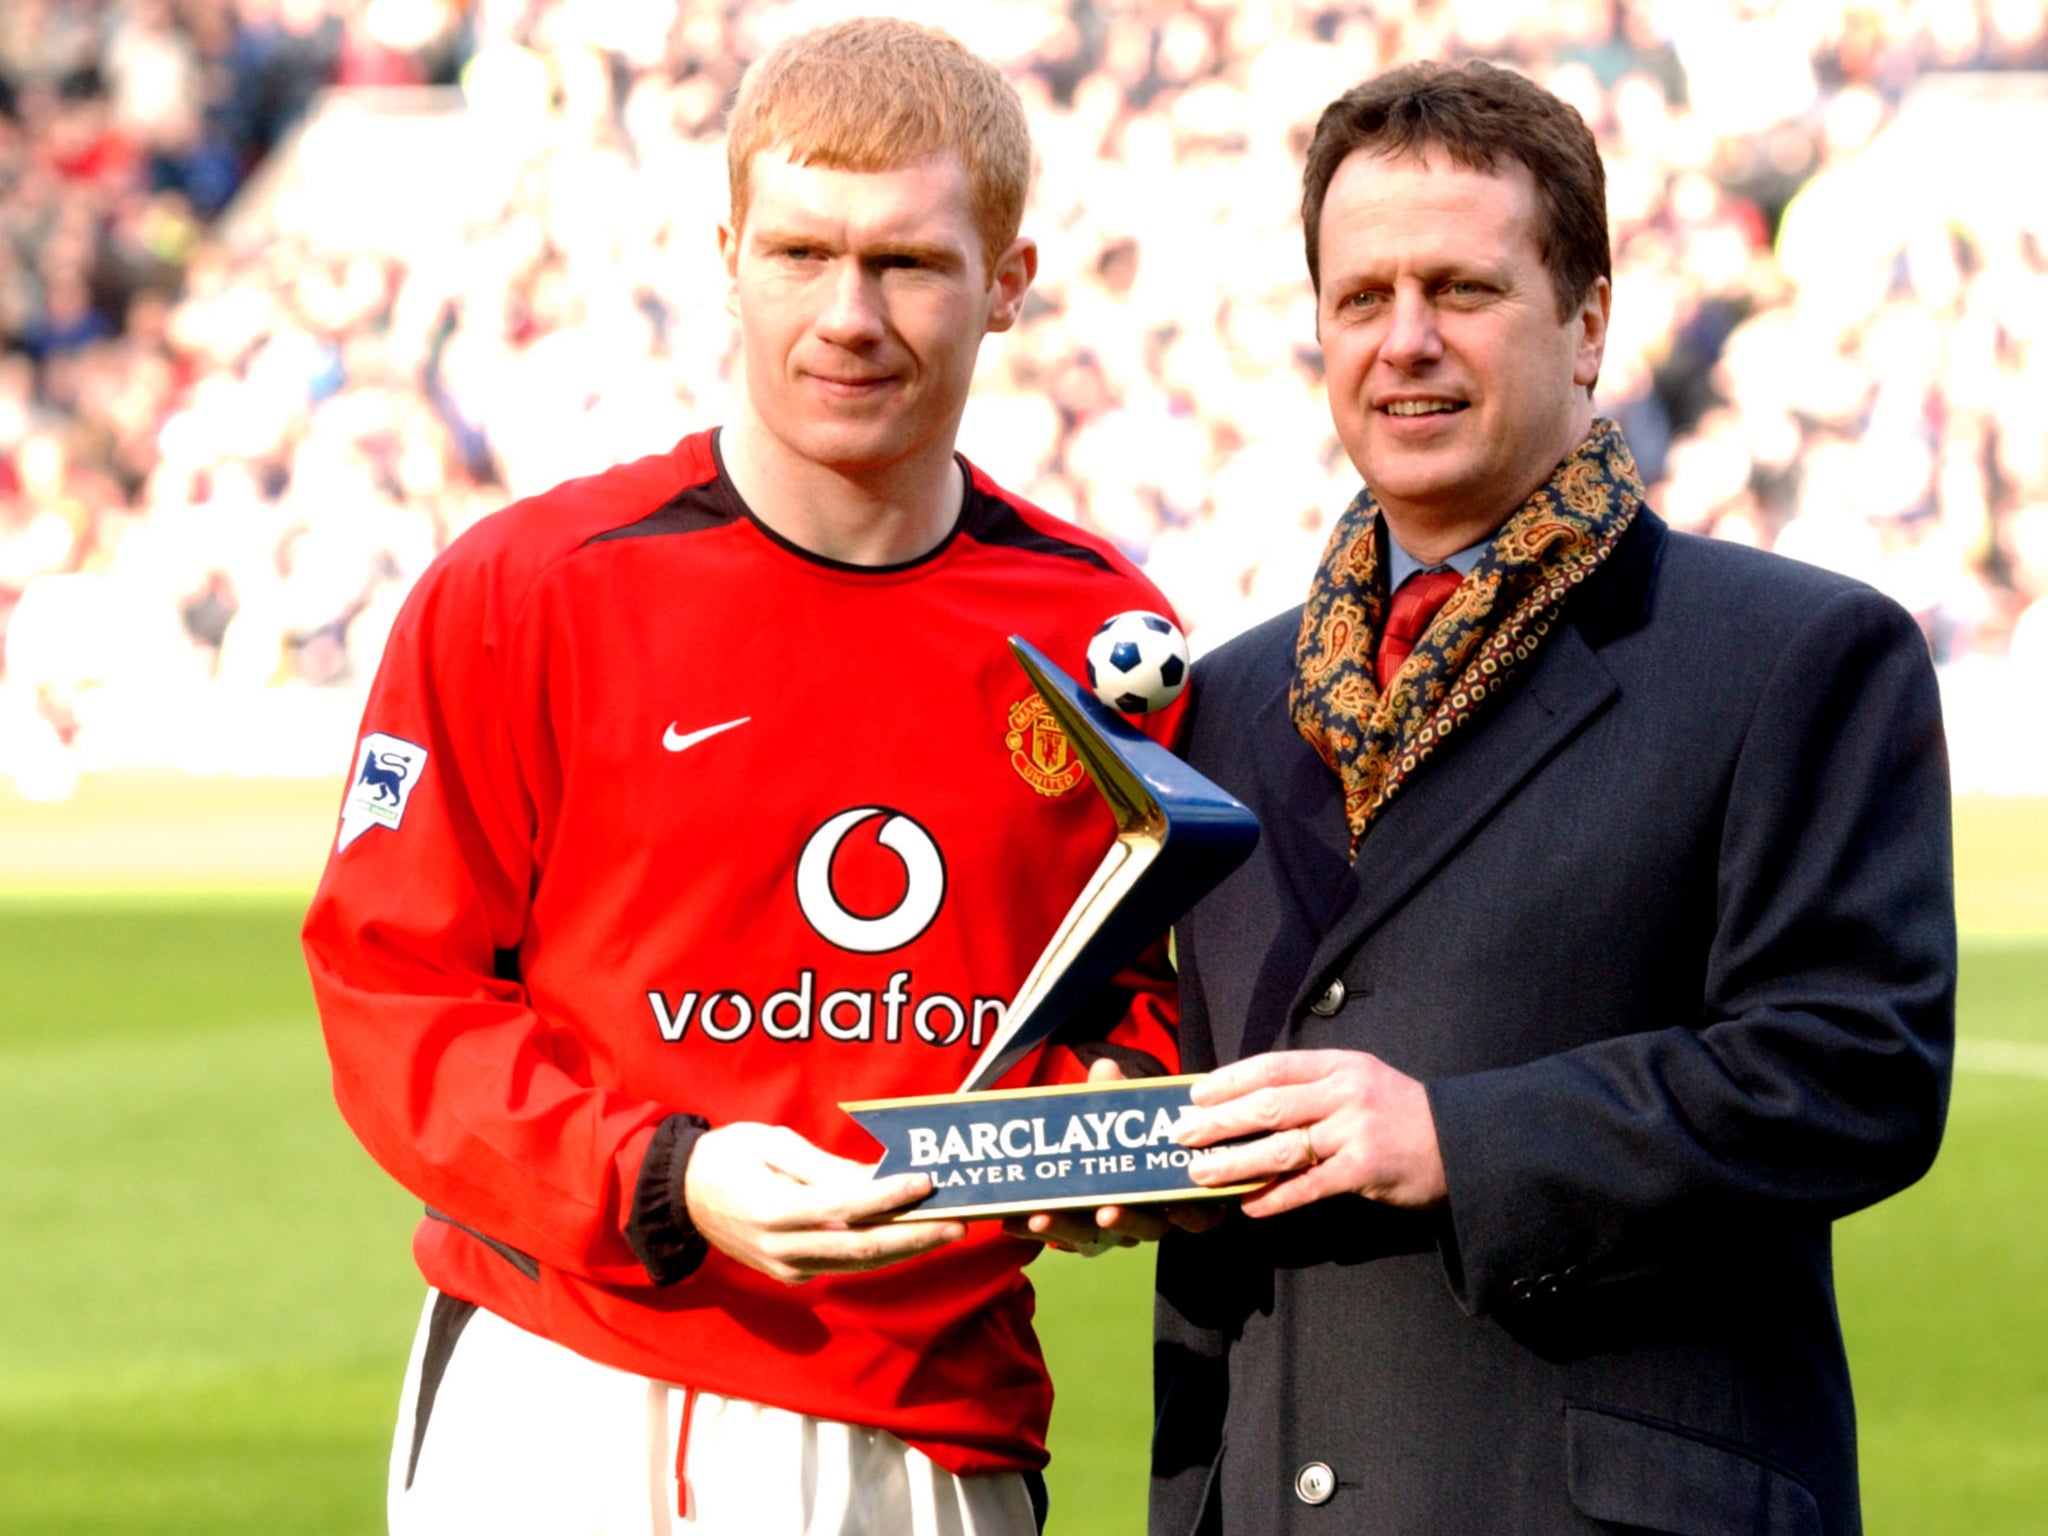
x,y
676,741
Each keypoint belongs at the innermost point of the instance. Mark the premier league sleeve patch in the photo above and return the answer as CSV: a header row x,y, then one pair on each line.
x,y
387,770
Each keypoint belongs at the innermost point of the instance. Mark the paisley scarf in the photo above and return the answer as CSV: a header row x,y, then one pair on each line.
x,y
1492,624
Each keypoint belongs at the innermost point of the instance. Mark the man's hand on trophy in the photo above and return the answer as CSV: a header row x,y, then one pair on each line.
x,y
1089,1233
1092,1232
1084,1232
1315,1124
763,1195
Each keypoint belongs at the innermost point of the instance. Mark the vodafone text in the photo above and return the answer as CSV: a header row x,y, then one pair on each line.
x,y
853,1014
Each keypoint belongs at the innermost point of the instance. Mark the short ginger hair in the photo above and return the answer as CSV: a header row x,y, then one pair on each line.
x,y
878,94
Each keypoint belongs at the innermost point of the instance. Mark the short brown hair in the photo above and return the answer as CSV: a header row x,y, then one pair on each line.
x,y
876,94
1479,115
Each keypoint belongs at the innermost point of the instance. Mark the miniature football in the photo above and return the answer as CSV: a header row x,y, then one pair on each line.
x,y
1137,662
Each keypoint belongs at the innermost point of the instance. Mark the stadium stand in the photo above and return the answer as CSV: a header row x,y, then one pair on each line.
x,y
293,291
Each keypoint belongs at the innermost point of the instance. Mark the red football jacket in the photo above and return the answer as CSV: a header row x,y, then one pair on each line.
x,y
658,822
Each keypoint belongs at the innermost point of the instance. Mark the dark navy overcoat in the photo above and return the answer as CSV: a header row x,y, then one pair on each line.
x,y
1669,933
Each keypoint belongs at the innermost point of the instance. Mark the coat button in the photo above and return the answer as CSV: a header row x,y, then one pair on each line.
x,y
1315,1483
1329,1000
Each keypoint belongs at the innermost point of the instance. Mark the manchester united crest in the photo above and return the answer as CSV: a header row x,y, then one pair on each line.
x,y
1039,750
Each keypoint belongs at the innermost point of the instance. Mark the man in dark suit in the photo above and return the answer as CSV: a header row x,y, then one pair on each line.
x,y
1599,949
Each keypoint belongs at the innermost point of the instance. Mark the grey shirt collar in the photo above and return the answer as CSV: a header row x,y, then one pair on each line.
x,y
1401,565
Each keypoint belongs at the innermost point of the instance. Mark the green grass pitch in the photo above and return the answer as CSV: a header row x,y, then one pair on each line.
x,y
210,1296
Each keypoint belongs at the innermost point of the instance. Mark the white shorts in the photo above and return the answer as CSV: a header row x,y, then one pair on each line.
x,y
518,1436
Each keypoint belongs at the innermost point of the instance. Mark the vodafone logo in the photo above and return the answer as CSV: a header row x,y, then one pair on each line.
x,y
847,873
924,883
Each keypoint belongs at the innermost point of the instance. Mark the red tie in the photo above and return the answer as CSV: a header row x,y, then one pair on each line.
x,y
1409,615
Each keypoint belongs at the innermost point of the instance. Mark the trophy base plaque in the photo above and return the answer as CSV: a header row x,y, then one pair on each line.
x,y
1009,1152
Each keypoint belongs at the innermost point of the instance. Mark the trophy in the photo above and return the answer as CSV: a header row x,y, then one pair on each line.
x,y
1005,1152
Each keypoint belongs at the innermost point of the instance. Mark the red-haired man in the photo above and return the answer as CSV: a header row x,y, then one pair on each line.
x,y
700,796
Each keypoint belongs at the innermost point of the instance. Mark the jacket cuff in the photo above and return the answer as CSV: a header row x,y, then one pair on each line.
x,y
659,1230
1506,1236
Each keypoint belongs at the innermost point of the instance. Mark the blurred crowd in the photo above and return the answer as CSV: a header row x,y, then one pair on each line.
x,y
240,410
